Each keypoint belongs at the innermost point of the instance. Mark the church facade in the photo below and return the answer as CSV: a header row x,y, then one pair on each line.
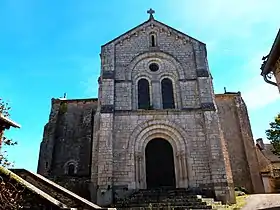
x,y
156,123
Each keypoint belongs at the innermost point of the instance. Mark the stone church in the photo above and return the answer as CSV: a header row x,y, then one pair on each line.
x,y
156,123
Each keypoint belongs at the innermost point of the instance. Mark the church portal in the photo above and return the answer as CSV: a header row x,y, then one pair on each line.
x,y
160,171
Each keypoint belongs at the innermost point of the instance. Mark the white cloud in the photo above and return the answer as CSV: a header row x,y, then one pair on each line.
x,y
231,13
228,20
241,29
258,94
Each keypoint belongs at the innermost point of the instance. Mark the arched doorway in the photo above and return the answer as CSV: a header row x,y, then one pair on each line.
x,y
160,170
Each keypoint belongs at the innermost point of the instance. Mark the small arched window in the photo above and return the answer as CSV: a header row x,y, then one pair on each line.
x,y
71,169
167,94
153,40
143,94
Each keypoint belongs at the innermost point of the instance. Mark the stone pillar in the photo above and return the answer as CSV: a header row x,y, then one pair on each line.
x,y
105,161
222,182
105,141
219,160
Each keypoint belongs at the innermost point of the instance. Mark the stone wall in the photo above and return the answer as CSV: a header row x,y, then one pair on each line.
x,y
185,132
239,140
68,140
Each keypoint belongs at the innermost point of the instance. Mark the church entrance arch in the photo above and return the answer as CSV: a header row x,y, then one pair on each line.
x,y
160,169
174,149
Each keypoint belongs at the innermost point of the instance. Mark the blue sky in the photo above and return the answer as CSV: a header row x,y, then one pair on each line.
x,y
50,47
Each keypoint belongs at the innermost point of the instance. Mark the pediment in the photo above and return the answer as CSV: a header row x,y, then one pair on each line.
x,y
152,23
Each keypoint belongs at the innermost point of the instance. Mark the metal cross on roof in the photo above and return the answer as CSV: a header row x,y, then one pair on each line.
x,y
151,12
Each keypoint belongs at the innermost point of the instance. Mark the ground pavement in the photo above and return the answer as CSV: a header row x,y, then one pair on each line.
x,y
262,201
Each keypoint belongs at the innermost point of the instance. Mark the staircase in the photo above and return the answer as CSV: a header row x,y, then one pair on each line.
x,y
151,199
56,191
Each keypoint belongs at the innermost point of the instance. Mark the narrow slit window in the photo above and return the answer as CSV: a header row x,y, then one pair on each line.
x,y
153,41
71,169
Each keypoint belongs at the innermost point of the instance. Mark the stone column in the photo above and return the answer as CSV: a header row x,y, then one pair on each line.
x,y
178,172
156,95
185,171
137,170
142,175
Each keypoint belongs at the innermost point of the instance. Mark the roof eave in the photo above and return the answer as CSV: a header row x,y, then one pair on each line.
x,y
272,55
9,122
118,37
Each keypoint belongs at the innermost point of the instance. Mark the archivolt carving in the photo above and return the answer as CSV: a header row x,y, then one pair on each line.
x,y
154,55
157,129
169,131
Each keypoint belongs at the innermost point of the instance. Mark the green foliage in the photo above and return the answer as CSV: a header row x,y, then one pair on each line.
x,y
63,107
241,189
4,110
273,134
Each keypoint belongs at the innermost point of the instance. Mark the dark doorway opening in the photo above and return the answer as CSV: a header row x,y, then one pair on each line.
x,y
160,171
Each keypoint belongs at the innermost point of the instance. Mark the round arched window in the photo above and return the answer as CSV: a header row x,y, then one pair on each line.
x,y
153,67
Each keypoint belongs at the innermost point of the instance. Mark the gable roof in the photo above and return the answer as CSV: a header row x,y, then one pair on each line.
x,y
150,20
269,154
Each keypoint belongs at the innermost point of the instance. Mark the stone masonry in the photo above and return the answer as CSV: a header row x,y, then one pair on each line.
x,y
68,140
240,143
104,139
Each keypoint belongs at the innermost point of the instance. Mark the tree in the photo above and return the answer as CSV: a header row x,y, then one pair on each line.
x,y
273,134
10,191
4,111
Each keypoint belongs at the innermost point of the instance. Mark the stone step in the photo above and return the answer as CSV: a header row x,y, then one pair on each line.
x,y
167,208
178,203
164,195
163,199
149,208
160,199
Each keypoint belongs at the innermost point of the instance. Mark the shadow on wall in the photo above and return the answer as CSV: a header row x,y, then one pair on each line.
x,y
272,208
